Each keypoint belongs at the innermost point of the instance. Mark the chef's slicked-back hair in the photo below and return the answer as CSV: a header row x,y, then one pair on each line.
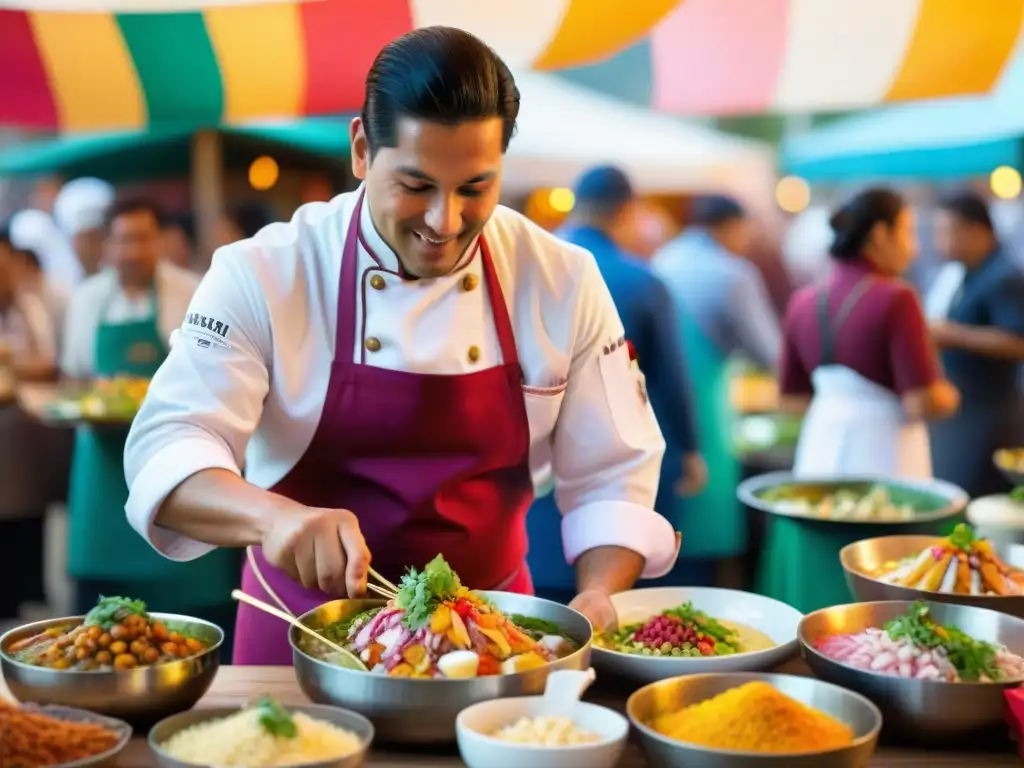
x,y
441,75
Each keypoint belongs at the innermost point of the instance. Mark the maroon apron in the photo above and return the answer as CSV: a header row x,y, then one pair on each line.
x,y
429,464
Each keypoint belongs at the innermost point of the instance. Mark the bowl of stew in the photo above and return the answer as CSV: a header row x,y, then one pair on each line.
x,y
119,660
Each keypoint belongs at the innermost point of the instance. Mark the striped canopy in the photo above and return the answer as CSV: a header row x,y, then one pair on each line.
x,y
730,57
232,61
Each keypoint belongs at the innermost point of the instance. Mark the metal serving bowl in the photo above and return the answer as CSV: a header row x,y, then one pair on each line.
x,y
677,693
917,710
863,562
1003,459
352,722
932,500
423,711
139,696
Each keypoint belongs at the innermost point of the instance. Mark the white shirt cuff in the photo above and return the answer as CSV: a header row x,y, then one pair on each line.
x,y
164,472
621,524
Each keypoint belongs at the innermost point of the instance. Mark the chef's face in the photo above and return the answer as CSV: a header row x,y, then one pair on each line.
x,y
431,195
133,246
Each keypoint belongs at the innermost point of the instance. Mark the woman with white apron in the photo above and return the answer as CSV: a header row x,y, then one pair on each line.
x,y
856,348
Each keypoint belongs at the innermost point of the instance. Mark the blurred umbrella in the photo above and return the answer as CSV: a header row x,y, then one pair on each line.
x,y
238,61
723,57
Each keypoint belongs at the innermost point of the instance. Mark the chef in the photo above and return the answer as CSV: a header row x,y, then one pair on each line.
x,y
389,368
78,210
118,324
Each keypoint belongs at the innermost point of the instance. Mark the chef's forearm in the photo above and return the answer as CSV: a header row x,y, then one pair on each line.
x,y
608,569
218,507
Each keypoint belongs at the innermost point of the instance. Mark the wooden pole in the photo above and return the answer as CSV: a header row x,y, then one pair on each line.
x,y
207,179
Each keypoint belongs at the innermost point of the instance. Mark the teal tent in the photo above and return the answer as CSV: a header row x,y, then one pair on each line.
x,y
121,157
935,140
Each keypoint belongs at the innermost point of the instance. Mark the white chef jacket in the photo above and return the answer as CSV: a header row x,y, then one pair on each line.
x,y
245,383
99,299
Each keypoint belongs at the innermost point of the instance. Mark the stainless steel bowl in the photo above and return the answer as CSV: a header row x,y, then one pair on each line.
x,y
139,696
423,711
864,560
676,693
933,500
1001,459
350,721
917,710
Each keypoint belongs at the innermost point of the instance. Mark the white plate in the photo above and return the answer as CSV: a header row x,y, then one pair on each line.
x,y
775,619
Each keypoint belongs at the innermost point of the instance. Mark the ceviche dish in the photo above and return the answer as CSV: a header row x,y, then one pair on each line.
x,y
116,634
915,645
437,628
959,564
685,631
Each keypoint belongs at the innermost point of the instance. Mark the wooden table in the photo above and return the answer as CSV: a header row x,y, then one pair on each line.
x,y
236,685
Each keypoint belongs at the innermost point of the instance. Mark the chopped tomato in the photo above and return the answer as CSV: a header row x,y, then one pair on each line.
x,y
465,609
706,647
488,665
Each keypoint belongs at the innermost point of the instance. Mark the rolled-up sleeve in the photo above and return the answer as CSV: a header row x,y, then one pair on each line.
x,y
607,450
205,400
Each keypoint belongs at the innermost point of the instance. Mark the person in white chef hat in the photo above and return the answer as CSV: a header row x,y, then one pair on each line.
x,y
79,210
34,232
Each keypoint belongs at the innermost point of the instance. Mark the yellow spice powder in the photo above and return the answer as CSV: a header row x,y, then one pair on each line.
x,y
755,717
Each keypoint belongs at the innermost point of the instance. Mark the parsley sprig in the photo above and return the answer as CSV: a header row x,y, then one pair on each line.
x,y
971,658
275,719
113,610
1017,494
962,537
420,592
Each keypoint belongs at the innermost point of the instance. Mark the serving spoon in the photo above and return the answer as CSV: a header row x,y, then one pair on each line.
x,y
347,659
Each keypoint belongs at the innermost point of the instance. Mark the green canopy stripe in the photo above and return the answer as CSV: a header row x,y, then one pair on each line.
x,y
177,88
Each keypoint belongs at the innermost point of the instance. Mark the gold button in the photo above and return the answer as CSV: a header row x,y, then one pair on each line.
x,y
373,344
377,282
474,354
469,282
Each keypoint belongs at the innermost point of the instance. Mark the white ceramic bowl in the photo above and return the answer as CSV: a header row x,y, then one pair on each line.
x,y
777,620
479,749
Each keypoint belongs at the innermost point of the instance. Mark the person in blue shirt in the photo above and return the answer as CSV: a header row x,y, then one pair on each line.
x,y
604,200
979,330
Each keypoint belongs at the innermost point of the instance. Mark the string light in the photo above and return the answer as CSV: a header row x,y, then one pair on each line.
x,y
1005,182
792,194
561,200
263,173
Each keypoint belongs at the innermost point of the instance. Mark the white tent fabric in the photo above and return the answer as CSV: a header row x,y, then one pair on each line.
x,y
565,128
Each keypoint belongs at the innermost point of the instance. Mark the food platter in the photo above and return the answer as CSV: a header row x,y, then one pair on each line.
x,y
110,403
895,502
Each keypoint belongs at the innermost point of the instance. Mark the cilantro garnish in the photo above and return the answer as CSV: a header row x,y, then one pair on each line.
x,y
275,719
420,592
113,610
971,658
962,537
1017,494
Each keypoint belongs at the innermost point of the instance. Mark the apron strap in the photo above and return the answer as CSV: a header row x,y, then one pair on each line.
x,y
499,309
829,329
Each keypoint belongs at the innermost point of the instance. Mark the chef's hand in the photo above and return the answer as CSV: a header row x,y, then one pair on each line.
x,y
695,475
319,548
597,606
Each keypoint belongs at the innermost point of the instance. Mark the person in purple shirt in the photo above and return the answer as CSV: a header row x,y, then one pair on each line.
x,y
604,199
